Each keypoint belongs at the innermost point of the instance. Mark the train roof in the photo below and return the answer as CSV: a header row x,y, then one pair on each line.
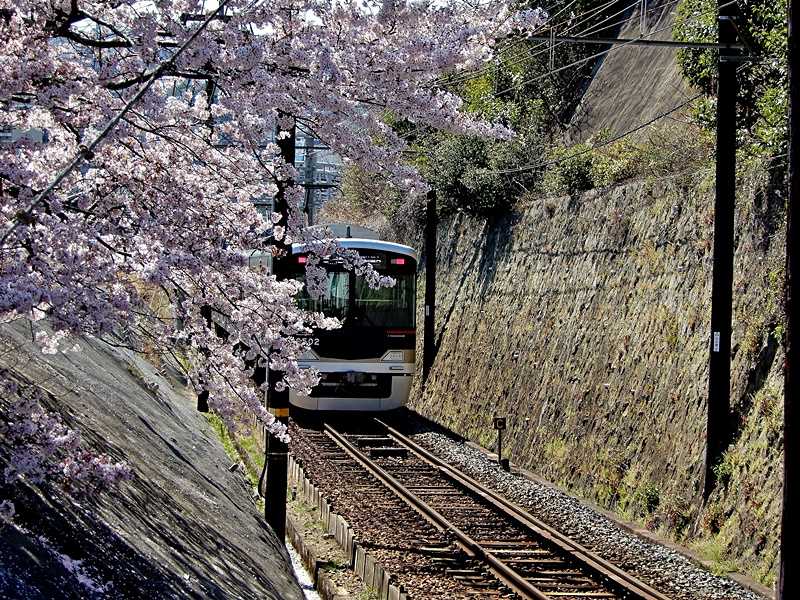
x,y
358,243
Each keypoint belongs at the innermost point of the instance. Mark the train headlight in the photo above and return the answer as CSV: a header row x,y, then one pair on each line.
x,y
393,356
308,355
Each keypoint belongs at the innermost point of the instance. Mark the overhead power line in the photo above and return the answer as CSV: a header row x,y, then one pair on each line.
x,y
641,42
547,163
580,61
544,45
577,21
617,43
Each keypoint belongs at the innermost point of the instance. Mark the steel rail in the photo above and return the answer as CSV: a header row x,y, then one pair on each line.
x,y
593,561
503,572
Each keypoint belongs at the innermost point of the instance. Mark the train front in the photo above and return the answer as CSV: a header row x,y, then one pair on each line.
x,y
367,365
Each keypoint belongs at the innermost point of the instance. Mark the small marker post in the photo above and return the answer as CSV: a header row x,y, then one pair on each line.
x,y
499,424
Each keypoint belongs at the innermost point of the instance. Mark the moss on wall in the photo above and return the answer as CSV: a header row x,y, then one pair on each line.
x,y
585,319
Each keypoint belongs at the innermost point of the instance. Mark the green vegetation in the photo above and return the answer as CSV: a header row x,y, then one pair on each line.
x,y
368,594
370,200
674,516
468,173
555,450
611,468
762,113
224,436
245,440
671,328
251,444
481,176
724,469
713,550
768,403
603,161
647,498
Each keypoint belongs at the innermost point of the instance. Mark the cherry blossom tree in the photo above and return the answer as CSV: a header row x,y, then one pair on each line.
x,y
156,116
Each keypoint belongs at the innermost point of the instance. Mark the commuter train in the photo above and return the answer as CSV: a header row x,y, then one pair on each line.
x,y
368,364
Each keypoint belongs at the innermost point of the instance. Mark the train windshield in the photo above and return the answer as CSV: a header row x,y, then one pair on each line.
x,y
334,302
386,306
350,298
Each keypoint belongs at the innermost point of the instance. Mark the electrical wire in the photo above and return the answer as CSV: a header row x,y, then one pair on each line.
x,y
583,61
596,55
595,28
592,57
543,47
570,65
582,19
532,167
535,166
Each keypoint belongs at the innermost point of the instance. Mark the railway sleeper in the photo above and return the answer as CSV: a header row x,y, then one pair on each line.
x,y
467,572
549,563
475,580
413,469
363,441
385,451
582,595
466,516
561,573
446,562
433,491
518,543
432,550
467,513
523,552
569,584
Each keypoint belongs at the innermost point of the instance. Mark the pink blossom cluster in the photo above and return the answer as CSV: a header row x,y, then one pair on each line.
x,y
165,201
41,448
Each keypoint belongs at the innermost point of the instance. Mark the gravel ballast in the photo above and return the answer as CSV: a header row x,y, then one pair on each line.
x,y
663,568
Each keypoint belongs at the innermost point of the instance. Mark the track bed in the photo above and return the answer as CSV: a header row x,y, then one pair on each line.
x,y
441,533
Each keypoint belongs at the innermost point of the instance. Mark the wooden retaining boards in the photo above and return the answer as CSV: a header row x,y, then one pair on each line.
x,y
362,562
322,583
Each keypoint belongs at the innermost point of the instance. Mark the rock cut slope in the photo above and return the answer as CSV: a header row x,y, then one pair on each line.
x,y
184,527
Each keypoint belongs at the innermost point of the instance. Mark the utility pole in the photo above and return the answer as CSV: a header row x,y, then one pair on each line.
x,y
719,371
788,577
309,164
277,451
428,342
719,376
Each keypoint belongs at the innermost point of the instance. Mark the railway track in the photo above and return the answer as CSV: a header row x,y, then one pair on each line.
x,y
499,550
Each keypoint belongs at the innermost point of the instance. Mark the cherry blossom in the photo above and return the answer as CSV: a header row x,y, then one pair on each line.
x,y
44,449
161,204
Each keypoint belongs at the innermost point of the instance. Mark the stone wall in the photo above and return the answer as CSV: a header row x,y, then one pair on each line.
x,y
585,320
